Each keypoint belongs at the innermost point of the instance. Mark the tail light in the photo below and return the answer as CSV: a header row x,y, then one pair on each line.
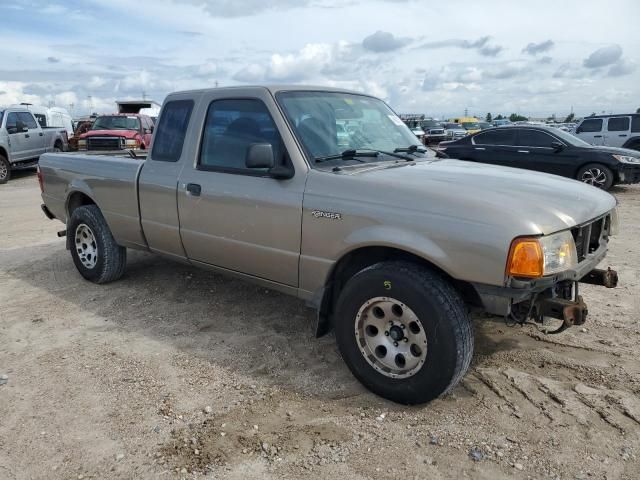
x,y
40,180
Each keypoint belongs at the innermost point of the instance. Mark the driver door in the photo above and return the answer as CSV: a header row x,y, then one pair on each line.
x,y
234,217
18,140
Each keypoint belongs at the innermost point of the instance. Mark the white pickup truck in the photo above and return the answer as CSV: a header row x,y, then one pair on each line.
x,y
23,140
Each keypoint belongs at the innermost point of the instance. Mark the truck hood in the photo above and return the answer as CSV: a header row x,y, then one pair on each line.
x,y
110,133
532,202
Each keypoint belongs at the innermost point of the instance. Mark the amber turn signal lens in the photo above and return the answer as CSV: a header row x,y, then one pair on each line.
x,y
526,258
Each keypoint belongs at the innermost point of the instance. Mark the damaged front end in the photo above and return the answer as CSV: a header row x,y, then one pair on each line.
x,y
543,274
562,302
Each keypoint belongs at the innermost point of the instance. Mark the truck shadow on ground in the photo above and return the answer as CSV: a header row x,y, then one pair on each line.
x,y
252,331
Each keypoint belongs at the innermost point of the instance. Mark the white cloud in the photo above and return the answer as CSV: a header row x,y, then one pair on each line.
x,y
603,56
183,44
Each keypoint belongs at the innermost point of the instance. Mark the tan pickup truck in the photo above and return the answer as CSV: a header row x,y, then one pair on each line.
x,y
392,246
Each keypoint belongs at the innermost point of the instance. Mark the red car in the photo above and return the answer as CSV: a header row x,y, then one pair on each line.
x,y
118,131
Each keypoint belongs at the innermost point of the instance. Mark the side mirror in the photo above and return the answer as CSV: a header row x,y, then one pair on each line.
x,y
260,155
579,130
557,146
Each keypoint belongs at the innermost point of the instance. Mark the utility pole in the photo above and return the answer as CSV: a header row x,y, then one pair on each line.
x,y
90,99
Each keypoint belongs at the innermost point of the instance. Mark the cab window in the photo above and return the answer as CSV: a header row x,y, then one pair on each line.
x,y
28,120
590,125
230,128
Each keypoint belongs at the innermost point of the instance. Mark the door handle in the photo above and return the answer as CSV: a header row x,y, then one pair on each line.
x,y
597,136
523,151
41,134
622,135
194,189
478,148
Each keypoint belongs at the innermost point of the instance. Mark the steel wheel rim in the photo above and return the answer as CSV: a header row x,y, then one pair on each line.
x,y
86,246
4,171
390,337
595,176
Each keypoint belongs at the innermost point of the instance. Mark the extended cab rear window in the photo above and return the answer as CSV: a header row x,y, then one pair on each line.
x,y
172,128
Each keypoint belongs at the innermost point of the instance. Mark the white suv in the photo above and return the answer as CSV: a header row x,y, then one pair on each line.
x,y
611,130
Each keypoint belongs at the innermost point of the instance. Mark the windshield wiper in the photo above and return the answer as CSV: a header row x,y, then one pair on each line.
x,y
350,154
411,149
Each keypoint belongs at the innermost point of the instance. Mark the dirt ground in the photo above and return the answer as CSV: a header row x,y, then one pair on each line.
x,y
174,372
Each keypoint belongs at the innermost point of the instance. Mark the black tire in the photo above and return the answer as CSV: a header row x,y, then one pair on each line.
x,y
441,313
5,170
596,174
110,259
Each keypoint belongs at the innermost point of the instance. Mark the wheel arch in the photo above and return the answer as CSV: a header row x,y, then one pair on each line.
x,y
4,153
75,199
362,257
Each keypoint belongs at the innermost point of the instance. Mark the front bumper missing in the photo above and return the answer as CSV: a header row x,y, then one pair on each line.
x,y
558,299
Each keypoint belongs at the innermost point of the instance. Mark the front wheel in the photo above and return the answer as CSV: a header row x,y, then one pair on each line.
x,y
403,331
95,252
5,170
597,175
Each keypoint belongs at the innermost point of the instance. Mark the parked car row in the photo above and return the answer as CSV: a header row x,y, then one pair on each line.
x,y
550,150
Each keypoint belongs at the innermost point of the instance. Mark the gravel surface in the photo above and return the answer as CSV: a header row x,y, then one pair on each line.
x,y
174,372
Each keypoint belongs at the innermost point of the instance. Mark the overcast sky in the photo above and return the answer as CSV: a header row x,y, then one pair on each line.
x,y
437,57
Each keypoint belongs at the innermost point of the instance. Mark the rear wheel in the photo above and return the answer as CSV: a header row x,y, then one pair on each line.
x,y
95,252
403,332
597,175
5,170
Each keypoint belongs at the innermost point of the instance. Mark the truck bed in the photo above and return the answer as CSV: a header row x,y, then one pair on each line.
x,y
107,180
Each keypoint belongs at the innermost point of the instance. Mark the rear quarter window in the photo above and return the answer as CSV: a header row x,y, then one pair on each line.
x,y
172,129
618,124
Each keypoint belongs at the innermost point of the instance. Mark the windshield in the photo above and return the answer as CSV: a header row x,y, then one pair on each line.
x,y
369,123
570,139
430,124
471,125
116,122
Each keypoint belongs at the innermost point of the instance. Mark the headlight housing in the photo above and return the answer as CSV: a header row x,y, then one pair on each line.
x,y
534,257
132,143
626,158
